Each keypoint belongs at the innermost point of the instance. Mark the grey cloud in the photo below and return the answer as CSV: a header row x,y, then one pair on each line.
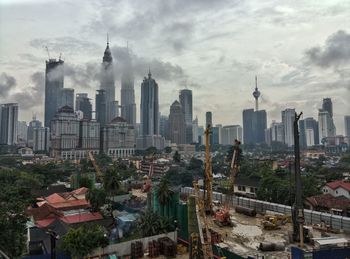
x,y
334,53
33,95
7,82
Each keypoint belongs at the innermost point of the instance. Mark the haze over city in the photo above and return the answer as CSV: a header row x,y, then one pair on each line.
x,y
299,50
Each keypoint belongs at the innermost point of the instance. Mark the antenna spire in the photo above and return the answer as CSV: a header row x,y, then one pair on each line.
x,y
107,38
149,71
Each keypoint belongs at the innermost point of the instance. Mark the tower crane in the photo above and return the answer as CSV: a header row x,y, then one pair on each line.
x,y
222,216
208,177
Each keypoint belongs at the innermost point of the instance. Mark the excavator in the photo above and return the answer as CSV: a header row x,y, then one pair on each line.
x,y
222,216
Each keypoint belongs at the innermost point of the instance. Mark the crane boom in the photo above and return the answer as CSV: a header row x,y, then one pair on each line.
x,y
202,222
234,171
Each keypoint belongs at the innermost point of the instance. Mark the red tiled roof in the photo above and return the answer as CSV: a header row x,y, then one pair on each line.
x,y
44,222
329,201
80,191
55,198
71,204
336,184
80,218
43,212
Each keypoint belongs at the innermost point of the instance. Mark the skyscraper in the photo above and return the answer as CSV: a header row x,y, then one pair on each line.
x,y
54,78
347,125
107,84
82,103
185,98
288,116
127,92
277,132
149,107
67,97
163,126
22,131
208,119
230,133
259,126
325,125
248,130
101,107
327,105
30,135
177,124
311,123
8,123
195,130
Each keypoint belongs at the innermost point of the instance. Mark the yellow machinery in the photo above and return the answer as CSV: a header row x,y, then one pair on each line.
x,y
202,223
208,203
97,168
273,222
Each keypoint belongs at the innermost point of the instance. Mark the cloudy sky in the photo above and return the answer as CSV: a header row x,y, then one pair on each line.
x,y
300,51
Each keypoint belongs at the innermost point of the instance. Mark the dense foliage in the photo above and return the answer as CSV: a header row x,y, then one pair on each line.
x,y
150,224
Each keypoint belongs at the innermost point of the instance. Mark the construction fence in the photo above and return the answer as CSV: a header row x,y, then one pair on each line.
x,y
311,216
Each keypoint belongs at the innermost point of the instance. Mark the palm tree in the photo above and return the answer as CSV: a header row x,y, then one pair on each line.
x,y
96,197
111,182
164,194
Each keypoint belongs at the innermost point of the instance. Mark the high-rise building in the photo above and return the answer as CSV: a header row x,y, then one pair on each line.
x,y
288,116
201,135
164,126
41,139
22,131
347,125
215,136
327,105
230,133
67,97
127,92
118,138
107,84
177,124
302,134
89,135
82,103
277,132
30,135
309,137
54,79
185,98
268,136
219,126
259,126
208,119
8,123
248,130
311,123
149,107
325,126
101,107
195,130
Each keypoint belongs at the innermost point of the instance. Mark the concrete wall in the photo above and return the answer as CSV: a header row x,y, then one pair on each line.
x,y
124,248
311,216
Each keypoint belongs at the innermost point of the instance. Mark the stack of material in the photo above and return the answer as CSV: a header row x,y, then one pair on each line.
x,y
181,249
167,247
153,249
136,250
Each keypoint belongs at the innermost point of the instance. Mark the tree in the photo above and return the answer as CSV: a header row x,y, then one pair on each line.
x,y
168,150
164,193
86,181
151,224
111,181
96,197
195,164
83,240
177,157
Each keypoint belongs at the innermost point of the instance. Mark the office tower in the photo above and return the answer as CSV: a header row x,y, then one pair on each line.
x,y
107,84
149,107
230,133
30,135
67,97
347,125
256,94
185,99
309,137
311,123
41,139
302,134
325,126
118,138
127,92
268,136
201,135
215,136
259,126
288,116
82,103
163,126
8,123
177,124
219,126
54,78
327,105
64,135
208,119
89,135
248,130
101,107
277,132
22,131
195,130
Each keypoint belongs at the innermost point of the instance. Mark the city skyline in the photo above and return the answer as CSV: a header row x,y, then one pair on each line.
x,y
216,59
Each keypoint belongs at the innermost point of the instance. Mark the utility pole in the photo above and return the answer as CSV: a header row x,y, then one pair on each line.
x,y
297,209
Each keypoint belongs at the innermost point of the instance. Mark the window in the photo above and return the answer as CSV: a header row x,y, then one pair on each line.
x,y
252,190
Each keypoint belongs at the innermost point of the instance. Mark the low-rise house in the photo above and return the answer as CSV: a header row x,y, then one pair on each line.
x,y
339,205
337,189
246,187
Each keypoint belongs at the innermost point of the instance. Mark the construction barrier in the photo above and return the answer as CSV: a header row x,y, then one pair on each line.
x,y
311,216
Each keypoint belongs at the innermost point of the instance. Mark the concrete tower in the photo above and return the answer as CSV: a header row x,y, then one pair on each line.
x,y
256,94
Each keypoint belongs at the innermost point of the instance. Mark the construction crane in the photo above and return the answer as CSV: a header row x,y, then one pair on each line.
x,y
205,238
208,177
222,216
97,168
